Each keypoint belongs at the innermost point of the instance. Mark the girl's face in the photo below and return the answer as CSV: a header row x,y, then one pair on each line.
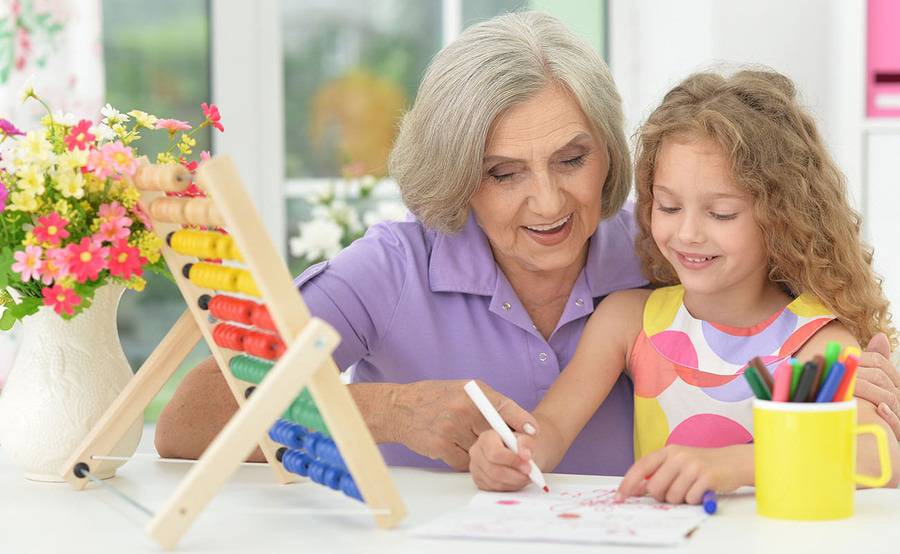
x,y
702,222
543,173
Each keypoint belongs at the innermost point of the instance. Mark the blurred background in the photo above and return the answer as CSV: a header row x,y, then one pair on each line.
x,y
311,91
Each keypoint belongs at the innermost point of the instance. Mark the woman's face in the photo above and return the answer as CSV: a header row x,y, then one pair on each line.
x,y
543,173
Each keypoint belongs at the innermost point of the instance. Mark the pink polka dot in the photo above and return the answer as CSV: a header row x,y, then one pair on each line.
x,y
709,431
676,346
650,372
703,379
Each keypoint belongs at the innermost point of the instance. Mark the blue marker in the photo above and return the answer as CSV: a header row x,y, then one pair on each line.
x,y
709,502
831,384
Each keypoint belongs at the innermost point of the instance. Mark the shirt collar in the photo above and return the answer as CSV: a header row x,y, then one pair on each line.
x,y
463,262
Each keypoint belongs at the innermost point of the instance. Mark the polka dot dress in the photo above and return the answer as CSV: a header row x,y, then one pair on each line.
x,y
688,374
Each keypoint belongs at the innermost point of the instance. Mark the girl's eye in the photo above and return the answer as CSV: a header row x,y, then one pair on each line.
x,y
723,217
577,161
667,210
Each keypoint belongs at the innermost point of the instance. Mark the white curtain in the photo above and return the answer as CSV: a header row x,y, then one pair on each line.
x,y
57,44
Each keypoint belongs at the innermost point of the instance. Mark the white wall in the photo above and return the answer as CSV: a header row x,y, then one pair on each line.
x,y
818,43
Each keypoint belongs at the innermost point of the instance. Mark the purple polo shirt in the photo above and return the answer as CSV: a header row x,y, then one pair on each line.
x,y
413,304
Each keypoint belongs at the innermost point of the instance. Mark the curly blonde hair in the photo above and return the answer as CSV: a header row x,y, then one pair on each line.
x,y
811,233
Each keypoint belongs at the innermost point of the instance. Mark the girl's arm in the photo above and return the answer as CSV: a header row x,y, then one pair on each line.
x,y
602,354
582,386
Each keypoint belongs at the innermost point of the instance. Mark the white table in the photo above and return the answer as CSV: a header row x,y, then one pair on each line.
x,y
252,514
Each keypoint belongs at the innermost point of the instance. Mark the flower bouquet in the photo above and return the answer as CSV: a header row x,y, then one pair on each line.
x,y
70,221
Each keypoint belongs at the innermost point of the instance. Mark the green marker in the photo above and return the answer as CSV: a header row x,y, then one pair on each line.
x,y
757,385
797,367
832,351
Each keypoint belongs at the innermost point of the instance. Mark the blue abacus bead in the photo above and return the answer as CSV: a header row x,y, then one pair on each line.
x,y
287,433
317,472
332,477
297,462
310,441
348,487
328,452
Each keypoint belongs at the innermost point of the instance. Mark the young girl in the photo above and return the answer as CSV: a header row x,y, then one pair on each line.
x,y
744,215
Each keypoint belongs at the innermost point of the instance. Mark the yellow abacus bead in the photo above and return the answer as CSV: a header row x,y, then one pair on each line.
x,y
214,277
246,284
223,247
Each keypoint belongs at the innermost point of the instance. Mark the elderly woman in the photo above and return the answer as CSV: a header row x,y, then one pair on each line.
x,y
515,164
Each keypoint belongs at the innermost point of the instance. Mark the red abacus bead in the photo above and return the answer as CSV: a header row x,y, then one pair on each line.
x,y
262,319
230,336
259,345
229,308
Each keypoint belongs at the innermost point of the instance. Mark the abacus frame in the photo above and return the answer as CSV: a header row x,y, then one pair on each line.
x,y
307,363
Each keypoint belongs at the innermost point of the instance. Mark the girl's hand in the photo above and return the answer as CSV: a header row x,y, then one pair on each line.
x,y
681,474
878,381
495,467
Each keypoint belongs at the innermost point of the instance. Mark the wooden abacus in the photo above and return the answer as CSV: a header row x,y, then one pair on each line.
x,y
285,361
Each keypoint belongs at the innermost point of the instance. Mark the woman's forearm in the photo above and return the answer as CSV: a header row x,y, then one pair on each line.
x,y
377,402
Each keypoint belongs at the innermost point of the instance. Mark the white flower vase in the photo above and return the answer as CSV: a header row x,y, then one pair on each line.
x,y
66,374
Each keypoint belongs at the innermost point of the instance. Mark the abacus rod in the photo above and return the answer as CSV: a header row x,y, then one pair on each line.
x,y
161,460
117,492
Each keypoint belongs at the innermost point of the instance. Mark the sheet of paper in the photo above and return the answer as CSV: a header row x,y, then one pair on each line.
x,y
577,514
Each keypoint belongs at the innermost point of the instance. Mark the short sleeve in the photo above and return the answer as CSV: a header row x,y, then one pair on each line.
x,y
357,292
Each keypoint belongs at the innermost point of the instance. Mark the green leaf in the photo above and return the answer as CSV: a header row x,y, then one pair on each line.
x,y
7,321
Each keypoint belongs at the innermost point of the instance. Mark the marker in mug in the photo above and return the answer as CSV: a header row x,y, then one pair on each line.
x,y
506,435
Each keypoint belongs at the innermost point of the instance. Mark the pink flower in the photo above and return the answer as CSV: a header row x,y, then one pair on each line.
x,y
110,232
211,113
4,194
28,263
51,229
125,261
99,164
55,266
80,136
173,125
204,156
142,215
113,212
87,259
120,158
62,299
10,130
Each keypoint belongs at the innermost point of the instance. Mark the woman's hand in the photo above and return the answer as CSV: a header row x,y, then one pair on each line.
x,y
681,474
438,419
495,467
878,381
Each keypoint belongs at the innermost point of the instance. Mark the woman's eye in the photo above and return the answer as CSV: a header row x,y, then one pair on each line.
x,y
723,217
502,176
577,161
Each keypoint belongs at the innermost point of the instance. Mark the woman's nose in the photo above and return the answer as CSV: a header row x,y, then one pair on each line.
x,y
547,198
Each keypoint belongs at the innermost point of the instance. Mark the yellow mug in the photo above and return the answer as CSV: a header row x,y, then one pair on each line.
x,y
806,459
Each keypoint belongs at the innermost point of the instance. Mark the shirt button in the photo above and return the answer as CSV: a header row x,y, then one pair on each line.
x,y
507,306
542,357
579,302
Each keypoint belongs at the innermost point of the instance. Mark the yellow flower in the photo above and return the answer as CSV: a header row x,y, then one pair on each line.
x,y
165,158
34,149
68,281
63,209
76,159
70,183
130,196
31,180
144,119
23,201
29,239
119,130
149,245
136,283
93,184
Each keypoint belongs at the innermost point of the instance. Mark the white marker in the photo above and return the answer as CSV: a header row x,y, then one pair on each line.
x,y
506,435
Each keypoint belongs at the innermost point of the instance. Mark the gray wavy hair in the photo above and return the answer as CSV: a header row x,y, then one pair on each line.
x,y
437,157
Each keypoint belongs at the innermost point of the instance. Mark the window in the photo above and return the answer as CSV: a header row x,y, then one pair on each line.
x,y
156,57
